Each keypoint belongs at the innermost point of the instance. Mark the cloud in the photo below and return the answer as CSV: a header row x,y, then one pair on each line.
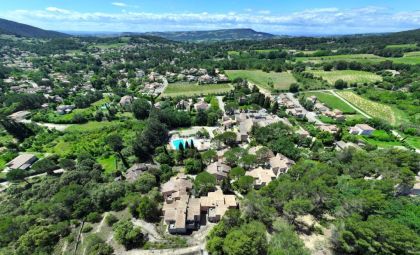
x,y
119,4
310,21
58,10
264,12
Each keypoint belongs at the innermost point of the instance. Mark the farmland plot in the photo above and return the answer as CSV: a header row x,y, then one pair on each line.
x,y
350,76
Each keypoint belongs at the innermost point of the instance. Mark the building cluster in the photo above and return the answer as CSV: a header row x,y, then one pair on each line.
x,y
183,212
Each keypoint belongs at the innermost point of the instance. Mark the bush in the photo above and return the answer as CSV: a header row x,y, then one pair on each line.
x,y
94,217
126,234
111,219
87,228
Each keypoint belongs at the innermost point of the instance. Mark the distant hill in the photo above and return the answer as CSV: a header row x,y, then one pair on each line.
x,y
19,29
214,35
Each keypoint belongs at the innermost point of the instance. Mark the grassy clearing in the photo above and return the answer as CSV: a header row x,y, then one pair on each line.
x,y
280,81
193,89
332,101
413,141
108,164
374,109
350,76
401,46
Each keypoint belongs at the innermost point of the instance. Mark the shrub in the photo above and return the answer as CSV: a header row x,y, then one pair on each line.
x,y
111,219
93,217
87,228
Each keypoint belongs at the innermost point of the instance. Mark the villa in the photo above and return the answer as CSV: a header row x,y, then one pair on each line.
x,y
22,162
261,176
280,164
361,129
219,170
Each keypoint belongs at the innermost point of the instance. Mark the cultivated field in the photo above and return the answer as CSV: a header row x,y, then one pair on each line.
x,y
366,58
332,102
410,58
281,81
350,76
191,89
401,46
373,109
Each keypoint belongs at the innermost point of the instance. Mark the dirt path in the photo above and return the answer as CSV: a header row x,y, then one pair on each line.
x,y
347,102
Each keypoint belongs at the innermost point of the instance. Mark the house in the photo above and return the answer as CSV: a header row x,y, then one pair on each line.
x,y
201,106
280,164
184,105
216,204
176,187
65,109
261,176
361,129
138,169
319,107
126,100
219,170
297,112
333,129
23,162
341,145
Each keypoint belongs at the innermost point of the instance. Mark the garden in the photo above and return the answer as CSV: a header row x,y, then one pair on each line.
x,y
266,80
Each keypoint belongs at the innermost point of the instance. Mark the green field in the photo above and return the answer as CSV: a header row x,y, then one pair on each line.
x,y
193,89
350,57
373,109
332,102
350,76
108,164
410,58
401,46
281,81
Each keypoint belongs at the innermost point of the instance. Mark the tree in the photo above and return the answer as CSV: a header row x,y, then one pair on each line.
x,y
376,235
228,138
96,246
250,239
285,241
193,166
148,209
204,183
44,165
141,108
116,143
298,206
17,175
126,234
294,88
154,134
145,183
209,156
258,207
236,173
340,84
244,184
201,118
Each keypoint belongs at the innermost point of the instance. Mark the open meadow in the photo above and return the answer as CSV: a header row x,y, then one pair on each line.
x,y
191,89
350,76
280,81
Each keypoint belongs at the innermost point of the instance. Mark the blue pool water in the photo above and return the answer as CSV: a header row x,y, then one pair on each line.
x,y
177,142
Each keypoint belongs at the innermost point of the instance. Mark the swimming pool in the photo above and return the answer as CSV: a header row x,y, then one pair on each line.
x,y
176,142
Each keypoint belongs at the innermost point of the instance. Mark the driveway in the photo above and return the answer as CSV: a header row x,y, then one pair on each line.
x,y
221,103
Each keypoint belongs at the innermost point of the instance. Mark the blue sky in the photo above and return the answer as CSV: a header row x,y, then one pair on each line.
x,y
293,17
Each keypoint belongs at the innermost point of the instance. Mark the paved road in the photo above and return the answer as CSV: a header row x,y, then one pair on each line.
x,y
311,116
221,103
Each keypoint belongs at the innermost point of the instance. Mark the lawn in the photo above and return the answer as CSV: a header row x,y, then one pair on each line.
x,y
350,76
193,89
280,81
373,109
332,101
108,164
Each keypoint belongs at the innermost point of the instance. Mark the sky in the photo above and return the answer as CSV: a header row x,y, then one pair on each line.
x,y
283,17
